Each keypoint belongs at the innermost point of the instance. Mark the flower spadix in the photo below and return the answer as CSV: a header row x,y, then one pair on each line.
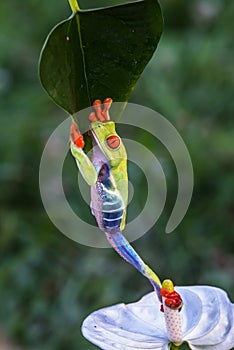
x,y
171,306
207,322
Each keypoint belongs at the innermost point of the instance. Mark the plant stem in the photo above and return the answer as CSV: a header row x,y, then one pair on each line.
x,y
174,347
74,5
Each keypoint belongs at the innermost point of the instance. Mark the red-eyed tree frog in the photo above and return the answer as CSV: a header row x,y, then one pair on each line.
x,y
107,175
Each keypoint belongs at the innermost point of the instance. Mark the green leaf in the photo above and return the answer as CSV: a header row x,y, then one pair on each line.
x,y
99,53
90,4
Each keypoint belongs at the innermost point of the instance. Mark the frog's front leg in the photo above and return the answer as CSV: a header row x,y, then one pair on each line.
x,y
82,160
101,111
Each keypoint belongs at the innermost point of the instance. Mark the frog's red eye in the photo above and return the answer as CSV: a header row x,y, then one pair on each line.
x,y
113,141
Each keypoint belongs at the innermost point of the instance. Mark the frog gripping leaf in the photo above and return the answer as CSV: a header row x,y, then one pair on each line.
x,y
106,173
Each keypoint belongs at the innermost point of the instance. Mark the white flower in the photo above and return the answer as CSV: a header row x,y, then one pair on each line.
x,y
207,322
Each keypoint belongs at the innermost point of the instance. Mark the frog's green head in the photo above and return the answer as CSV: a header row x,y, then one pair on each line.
x,y
109,142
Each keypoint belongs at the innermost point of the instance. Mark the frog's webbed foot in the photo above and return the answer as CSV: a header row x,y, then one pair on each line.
x,y
101,111
76,136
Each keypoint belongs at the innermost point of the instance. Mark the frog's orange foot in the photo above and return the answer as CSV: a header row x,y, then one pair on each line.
x,y
101,110
76,136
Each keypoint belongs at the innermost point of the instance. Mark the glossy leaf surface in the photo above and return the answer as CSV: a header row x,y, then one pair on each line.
x,y
99,53
207,319
91,4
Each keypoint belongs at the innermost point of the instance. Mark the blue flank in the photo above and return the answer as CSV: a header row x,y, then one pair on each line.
x,y
112,204
112,215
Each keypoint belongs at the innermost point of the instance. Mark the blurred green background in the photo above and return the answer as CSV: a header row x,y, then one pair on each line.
x,y
48,283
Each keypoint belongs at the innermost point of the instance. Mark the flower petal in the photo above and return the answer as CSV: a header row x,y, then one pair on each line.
x,y
215,330
138,325
207,319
